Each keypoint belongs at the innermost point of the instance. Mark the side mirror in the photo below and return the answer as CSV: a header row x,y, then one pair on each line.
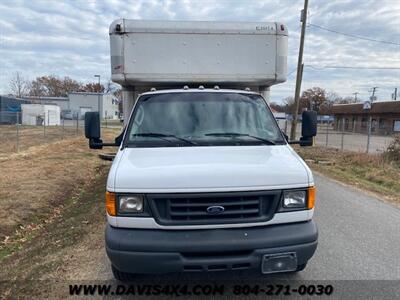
x,y
92,130
309,124
92,125
308,127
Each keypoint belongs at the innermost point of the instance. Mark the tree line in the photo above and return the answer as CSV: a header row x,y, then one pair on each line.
x,y
55,86
315,98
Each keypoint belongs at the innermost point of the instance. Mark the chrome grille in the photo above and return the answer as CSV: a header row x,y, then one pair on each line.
x,y
186,209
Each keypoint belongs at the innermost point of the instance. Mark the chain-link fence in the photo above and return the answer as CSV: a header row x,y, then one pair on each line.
x,y
365,135
19,132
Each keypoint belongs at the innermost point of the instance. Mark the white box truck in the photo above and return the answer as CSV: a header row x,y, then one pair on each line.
x,y
204,179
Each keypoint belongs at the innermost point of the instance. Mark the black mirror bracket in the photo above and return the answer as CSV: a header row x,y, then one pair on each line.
x,y
95,143
306,141
303,142
98,144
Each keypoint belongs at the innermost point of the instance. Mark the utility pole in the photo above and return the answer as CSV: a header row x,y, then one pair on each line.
x,y
395,94
299,75
355,96
98,98
372,98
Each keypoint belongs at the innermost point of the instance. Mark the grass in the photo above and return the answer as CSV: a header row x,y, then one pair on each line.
x,y
367,171
35,268
32,136
52,199
35,183
29,136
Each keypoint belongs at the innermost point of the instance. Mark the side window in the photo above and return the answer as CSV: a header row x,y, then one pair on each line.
x,y
138,120
396,125
381,123
364,122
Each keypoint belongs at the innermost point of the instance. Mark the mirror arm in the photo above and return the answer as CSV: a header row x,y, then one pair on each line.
x,y
98,144
95,143
304,141
109,144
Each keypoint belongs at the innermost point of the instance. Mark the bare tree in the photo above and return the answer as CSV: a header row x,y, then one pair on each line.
x,y
92,88
18,85
313,98
288,103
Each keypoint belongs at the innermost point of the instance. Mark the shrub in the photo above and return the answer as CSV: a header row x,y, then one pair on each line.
x,y
392,152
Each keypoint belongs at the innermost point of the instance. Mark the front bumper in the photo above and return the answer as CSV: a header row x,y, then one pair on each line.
x,y
165,251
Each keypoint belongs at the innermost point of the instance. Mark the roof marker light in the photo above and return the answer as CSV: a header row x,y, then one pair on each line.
x,y
153,89
201,87
247,89
185,87
216,87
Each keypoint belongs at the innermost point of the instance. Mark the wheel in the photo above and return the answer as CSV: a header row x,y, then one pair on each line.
x,y
122,276
301,267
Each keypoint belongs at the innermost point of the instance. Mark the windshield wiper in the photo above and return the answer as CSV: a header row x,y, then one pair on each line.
x,y
235,134
164,136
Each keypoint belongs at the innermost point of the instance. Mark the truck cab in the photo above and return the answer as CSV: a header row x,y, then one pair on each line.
x,y
205,180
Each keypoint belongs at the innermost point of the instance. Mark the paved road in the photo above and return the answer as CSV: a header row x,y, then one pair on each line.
x,y
359,239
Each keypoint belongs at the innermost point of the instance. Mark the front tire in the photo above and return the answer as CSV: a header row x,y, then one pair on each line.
x,y
122,276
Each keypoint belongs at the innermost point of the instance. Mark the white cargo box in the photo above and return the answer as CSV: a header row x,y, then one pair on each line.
x,y
173,53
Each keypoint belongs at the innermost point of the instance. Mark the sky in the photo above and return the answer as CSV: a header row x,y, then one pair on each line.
x,y
70,38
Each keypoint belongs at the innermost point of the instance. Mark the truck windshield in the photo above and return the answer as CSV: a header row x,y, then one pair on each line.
x,y
202,119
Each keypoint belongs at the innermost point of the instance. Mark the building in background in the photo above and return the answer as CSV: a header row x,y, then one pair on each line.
x,y
9,109
71,107
77,103
40,114
62,102
385,117
82,102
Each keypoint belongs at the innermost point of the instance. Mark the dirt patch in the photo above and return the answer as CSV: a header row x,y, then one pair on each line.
x,y
35,183
370,172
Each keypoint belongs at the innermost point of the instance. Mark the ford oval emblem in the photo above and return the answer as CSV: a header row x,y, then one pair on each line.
x,y
215,209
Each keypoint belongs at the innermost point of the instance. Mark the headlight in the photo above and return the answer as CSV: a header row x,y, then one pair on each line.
x,y
130,204
294,199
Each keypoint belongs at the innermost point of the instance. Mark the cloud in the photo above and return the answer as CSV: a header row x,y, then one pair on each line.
x,y
71,38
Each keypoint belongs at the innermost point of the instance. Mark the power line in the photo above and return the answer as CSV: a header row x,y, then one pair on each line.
x,y
353,35
352,67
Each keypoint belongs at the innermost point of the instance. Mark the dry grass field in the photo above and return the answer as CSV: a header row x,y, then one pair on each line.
x,y
52,199
35,183
29,136
371,172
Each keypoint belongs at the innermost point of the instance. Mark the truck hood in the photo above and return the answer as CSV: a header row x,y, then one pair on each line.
x,y
197,169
